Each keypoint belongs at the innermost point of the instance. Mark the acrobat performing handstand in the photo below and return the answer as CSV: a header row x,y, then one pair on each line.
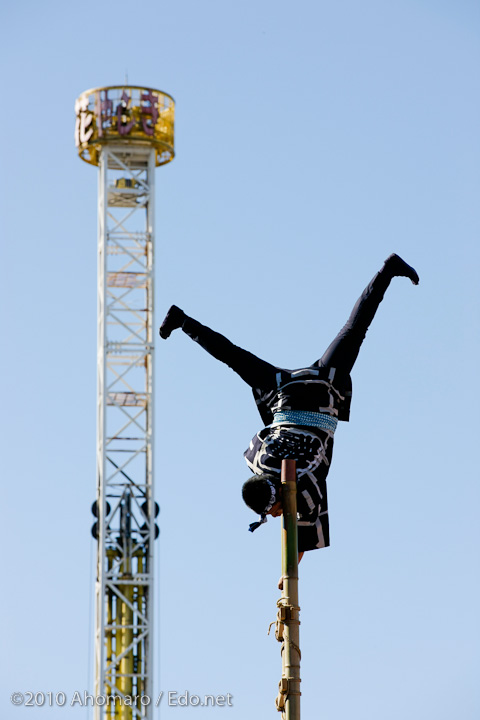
x,y
299,408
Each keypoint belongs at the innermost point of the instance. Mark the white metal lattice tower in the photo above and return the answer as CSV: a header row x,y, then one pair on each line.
x,y
126,131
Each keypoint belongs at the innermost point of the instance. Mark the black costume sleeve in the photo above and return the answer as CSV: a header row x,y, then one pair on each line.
x,y
254,371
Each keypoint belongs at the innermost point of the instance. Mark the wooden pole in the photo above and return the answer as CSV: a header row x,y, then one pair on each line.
x,y
288,700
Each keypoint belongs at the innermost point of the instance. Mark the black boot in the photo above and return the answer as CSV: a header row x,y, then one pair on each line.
x,y
173,320
399,268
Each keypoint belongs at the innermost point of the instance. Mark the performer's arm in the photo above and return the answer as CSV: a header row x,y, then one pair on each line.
x,y
280,582
254,371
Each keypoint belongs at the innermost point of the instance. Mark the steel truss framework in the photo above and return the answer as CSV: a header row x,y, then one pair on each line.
x,y
126,510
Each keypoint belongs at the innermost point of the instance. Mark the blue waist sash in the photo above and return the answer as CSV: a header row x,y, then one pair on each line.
x,y
304,417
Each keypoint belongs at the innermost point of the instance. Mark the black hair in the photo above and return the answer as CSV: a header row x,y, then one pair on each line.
x,y
257,492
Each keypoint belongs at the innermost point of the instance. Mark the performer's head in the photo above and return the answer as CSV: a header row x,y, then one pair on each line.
x,y
262,494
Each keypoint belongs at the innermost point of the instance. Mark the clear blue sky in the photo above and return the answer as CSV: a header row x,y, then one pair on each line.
x,y
312,140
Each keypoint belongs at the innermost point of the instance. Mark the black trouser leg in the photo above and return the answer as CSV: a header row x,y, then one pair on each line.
x,y
343,351
253,370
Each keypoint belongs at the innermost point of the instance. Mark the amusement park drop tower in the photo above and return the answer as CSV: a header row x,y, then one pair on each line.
x,y
126,131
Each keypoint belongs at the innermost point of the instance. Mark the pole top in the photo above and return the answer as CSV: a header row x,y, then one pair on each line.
x,y
124,115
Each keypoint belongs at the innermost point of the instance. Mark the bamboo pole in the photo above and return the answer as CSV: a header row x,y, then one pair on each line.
x,y
288,700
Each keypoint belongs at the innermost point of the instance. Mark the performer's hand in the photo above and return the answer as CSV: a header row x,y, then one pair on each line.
x,y
280,582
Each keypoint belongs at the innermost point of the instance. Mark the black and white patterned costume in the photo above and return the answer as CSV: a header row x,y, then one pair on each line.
x,y
323,387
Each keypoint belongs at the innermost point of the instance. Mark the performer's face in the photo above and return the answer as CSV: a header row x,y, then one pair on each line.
x,y
276,509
